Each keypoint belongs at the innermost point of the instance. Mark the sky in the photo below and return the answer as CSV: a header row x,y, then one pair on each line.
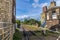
x,y
31,8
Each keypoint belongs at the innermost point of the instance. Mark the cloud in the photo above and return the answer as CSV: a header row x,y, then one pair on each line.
x,y
21,17
44,4
27,16
35,5
36,1
58,2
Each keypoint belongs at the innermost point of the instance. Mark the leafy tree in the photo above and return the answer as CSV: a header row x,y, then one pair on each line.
x,y
25,21
32,22
18,23
39,23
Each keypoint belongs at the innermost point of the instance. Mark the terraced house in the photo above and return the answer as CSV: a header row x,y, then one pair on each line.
x,y
7,19
51,15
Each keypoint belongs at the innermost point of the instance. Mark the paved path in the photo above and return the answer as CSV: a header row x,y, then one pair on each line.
x,y
21,28
58,38
32,36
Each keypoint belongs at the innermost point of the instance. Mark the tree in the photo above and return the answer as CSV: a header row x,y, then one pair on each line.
x,y
25,21
39,23
18,23
32,22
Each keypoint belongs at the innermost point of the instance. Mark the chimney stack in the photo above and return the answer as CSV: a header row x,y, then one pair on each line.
x,y
44,8
53,3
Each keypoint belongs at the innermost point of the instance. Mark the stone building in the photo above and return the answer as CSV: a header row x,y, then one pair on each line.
x,y
52,16
7,15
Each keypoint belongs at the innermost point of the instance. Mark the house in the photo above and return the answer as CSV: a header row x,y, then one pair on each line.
x,y
51,15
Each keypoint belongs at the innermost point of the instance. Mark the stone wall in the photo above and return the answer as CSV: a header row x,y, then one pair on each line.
x,y
6,16
52,23
6,10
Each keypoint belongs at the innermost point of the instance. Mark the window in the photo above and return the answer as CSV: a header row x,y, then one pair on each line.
x,y
53,12
54,16
47,16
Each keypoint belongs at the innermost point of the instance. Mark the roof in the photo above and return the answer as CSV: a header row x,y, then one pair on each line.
x,y
53,8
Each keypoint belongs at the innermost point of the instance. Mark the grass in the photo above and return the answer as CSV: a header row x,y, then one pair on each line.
x,y
48,34
33,27
17,35
38,32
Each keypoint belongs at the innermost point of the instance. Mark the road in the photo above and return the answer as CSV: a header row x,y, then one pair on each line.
x,y
21,28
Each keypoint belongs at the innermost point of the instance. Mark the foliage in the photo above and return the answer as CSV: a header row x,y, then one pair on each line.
x,y
17,35
18,23
25,21
32,22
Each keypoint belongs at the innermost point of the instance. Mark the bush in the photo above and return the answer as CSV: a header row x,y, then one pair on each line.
x,y
17,35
